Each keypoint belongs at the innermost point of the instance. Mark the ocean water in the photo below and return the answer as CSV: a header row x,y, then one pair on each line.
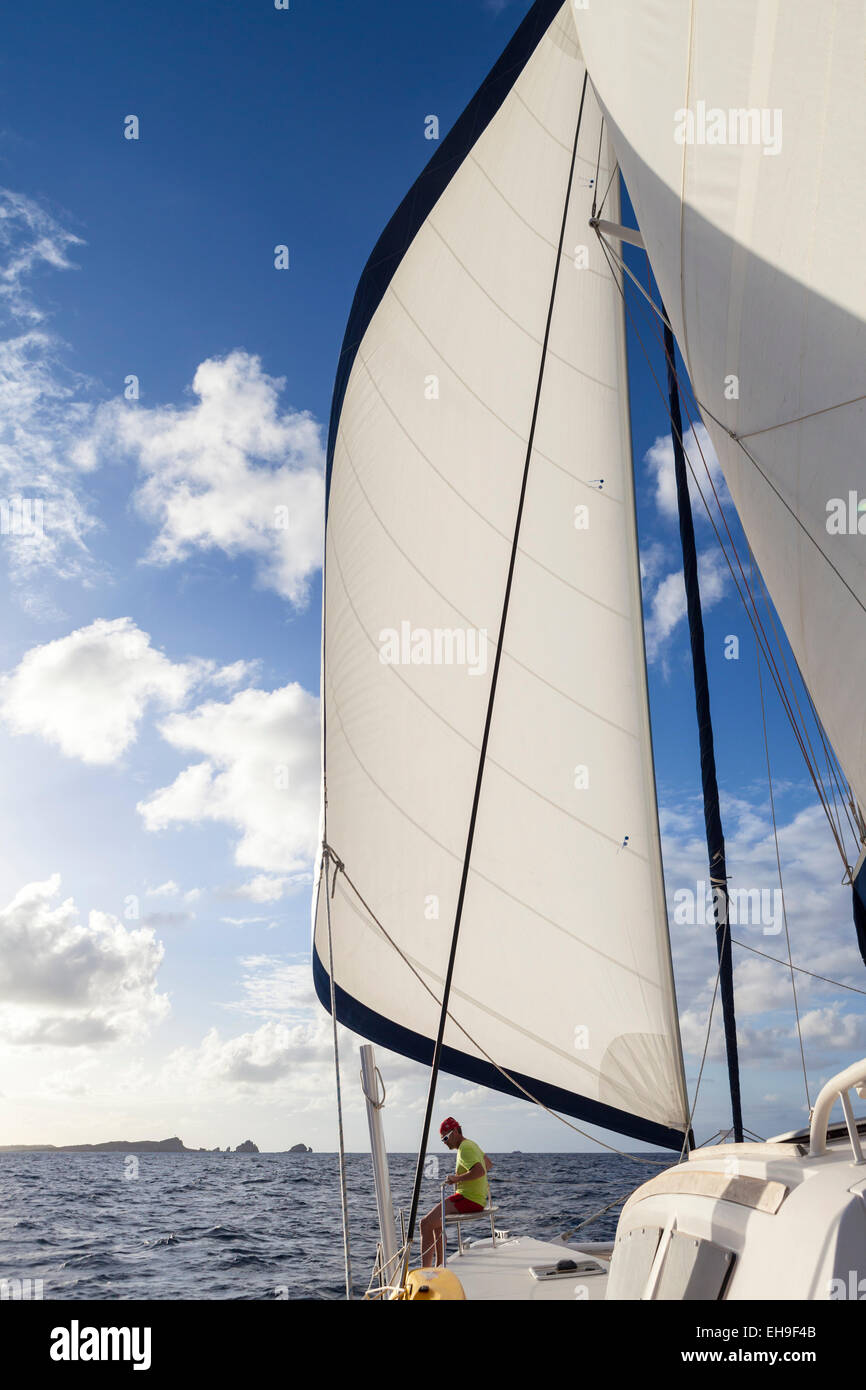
x,y
259,1226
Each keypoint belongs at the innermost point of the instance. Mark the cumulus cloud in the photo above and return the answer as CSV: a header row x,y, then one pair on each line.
x,y
268,888
700,453
667,601
231,471
833,1020
67,983
271,1053
87,693
259,775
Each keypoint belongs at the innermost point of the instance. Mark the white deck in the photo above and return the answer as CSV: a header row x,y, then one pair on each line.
x,y
503,1272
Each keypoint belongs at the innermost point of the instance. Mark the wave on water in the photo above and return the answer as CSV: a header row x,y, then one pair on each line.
x,y
85,1228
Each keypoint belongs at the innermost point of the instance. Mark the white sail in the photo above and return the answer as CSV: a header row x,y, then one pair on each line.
x,y
563,974
741,129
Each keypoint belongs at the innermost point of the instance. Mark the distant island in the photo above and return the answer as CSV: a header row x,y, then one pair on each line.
x,y
139,1146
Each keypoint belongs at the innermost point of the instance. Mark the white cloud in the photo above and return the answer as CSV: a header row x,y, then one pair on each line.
x,y
29,238
238,673
173,890
821,930
831,1029
164,890
260,775
87,693
276,988
268,888
667,602
248,921
64,983
699,451
229,471
42,416
274,1052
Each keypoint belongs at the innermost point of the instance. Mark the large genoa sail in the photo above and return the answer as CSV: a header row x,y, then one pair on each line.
x,y
563,975
740,130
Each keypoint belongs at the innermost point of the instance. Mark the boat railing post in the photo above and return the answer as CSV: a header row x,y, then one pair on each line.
x,y
837,1088
852,1126
371,1081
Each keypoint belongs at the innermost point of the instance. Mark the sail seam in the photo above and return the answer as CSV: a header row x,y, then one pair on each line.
x,y
502,310
786,504
607,385
557,690
419,970
492,883
510,1077
783,424
751,612
437,1051
539,453
549,133
527,555
541,237
425,193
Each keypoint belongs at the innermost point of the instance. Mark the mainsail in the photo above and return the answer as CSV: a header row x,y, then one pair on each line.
x,y
740,131
563,982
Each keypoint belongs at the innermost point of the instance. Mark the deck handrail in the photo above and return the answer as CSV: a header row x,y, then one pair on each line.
x,y
838,1087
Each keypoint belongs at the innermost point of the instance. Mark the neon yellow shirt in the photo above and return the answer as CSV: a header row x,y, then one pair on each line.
x,y
467,1156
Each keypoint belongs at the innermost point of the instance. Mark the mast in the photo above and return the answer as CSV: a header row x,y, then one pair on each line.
x,y
712,814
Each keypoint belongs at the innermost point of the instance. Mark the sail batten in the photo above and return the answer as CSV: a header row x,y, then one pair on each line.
x,y
471,394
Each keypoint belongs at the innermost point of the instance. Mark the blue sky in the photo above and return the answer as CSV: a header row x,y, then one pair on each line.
x,y
159,983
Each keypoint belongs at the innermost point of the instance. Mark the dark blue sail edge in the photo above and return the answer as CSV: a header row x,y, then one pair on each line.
x,y
425,193
859,895
378,1029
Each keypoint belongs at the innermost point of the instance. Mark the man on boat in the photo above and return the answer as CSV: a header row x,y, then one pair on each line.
x,y
472,1193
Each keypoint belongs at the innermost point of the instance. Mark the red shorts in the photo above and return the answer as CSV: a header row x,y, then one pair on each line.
x,y
458,1203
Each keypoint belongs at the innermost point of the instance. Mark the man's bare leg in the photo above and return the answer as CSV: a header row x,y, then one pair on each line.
x,y
431,1231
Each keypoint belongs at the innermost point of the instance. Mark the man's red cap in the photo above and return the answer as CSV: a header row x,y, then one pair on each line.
x,y
447,1126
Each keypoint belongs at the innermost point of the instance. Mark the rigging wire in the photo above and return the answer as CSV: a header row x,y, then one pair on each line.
x,y
738,439
512,1081
704,1053
801,969
781,882
750,606
347,1254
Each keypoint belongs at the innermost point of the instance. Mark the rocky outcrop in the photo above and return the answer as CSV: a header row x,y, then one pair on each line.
x,y
113,1146
247,1147
300,1149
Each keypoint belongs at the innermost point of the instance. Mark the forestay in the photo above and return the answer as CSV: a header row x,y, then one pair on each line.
x,y
740,130
563,973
